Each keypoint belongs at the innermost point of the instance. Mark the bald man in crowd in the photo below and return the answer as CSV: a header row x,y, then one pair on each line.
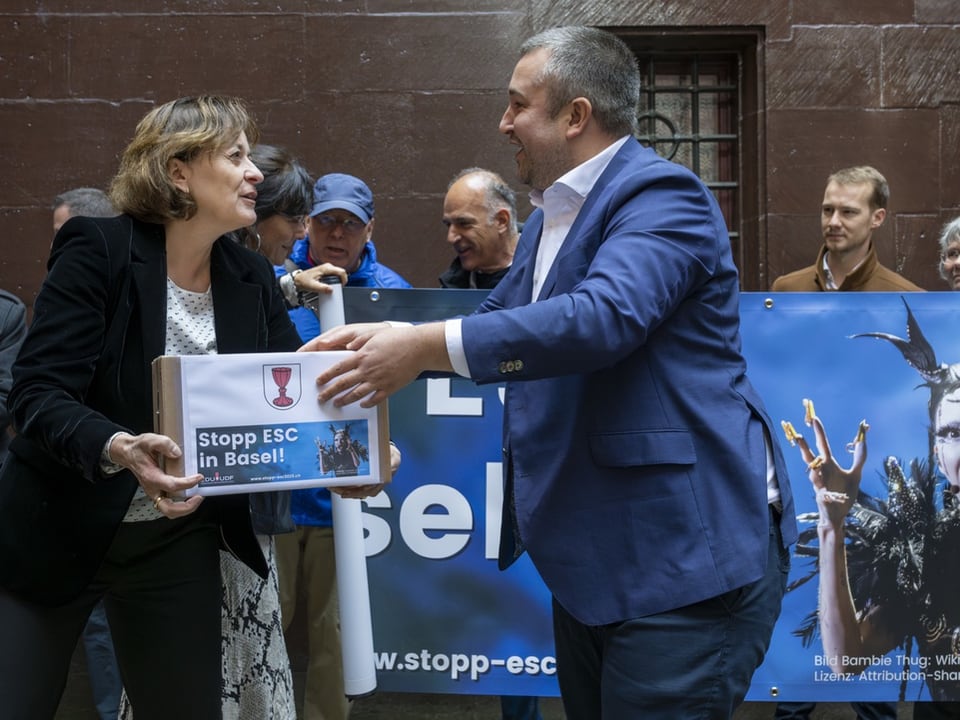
x,y
480,212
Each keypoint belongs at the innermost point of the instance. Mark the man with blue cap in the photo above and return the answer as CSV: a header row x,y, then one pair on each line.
x,y
340,226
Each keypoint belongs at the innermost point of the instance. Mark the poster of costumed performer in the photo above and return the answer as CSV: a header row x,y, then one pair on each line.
x,y
884,564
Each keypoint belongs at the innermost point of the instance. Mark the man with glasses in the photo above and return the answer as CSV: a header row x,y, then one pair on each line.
x,y
340,227
950,253
339,231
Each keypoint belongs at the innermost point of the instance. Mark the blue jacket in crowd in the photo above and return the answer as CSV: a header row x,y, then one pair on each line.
x,y
311,506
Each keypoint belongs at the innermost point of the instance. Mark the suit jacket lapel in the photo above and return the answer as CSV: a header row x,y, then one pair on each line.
x,y
238,317
238,311
147,252
526,255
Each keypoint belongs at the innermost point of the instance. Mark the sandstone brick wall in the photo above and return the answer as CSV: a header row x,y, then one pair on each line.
x,y
406,92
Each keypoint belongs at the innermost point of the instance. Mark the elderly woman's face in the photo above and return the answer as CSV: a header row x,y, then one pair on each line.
x,y
947,430
950,263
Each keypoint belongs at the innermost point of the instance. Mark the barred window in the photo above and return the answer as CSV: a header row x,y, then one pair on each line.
x,y
698,107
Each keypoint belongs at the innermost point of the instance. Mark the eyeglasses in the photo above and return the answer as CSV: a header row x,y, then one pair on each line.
x,y
951,256
293,219
349,225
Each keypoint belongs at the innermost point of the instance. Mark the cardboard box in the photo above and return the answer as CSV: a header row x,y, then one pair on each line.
x,y
252,422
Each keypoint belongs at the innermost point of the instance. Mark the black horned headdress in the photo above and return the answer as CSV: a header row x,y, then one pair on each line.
x,y
939,377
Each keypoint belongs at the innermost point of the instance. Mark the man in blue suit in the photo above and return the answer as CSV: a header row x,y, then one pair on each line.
x,y
641,472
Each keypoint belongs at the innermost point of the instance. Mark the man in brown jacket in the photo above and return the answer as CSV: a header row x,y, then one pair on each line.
x,y
854,205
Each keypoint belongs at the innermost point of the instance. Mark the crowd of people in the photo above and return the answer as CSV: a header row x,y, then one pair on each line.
x,y
609,417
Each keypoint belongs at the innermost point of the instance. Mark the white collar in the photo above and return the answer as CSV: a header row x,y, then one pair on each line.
x,y
580,180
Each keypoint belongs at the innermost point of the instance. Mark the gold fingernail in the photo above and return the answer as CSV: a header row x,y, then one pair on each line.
x,y
861,432
790,432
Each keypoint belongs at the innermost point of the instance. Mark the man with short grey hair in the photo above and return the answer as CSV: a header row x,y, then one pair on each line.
x,y
84,201
480,213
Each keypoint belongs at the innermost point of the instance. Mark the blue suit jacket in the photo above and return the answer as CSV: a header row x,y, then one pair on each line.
x,y
633,439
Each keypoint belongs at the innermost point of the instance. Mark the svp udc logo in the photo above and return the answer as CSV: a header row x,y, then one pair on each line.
x,y
282,385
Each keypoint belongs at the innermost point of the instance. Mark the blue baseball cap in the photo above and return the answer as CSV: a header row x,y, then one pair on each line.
x,y
337,191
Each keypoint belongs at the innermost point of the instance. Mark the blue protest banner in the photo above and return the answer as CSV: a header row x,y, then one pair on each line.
x,y
446,620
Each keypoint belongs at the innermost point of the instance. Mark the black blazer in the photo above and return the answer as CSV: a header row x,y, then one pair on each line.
x,y
84,373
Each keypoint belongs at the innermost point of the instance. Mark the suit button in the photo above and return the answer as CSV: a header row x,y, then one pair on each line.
x,y
518,365
503,367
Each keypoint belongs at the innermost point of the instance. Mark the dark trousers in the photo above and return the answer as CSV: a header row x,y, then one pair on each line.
x,y
936,711
161,587
864,710
692,662
519,707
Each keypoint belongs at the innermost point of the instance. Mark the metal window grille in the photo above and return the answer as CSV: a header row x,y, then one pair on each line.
x,y
689,113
